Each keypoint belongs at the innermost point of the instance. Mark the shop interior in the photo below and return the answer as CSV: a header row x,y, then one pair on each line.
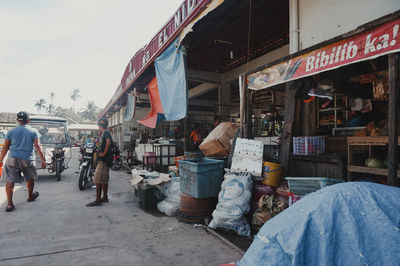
x,y
343,114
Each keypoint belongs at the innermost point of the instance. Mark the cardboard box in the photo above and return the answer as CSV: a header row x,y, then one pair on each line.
x,y
217,142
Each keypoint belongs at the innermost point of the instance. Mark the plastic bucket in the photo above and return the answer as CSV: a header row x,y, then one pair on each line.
x,y
272,174
177,159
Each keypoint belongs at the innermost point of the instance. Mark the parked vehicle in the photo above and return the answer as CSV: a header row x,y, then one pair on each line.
x,y
86,168
131,156
3,134
117,160
55,141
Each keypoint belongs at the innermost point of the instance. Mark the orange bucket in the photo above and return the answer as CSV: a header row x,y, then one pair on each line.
x,y
176,159
272,174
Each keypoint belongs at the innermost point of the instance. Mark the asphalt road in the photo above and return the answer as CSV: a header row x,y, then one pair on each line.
x,y
58,229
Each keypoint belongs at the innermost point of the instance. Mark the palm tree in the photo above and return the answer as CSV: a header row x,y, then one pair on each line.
x,y
50,108
75,95
52,95
90,112
40,104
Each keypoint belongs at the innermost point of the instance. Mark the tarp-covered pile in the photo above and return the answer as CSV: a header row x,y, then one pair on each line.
x,y
355,223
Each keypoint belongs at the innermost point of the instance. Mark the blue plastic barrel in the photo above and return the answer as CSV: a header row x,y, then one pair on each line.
x,y
201,179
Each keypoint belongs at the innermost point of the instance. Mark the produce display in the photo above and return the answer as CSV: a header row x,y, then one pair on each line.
x,y
376,163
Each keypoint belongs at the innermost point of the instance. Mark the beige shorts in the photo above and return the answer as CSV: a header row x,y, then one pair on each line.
x,y
15,168
102,173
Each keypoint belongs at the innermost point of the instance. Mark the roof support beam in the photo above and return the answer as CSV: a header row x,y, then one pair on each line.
x,y
203,76
201,89
256,63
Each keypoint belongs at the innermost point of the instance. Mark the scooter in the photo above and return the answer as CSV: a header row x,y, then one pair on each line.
x,y
86,169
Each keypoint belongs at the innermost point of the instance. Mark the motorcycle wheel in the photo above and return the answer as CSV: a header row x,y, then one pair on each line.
x,y
82,181
58,170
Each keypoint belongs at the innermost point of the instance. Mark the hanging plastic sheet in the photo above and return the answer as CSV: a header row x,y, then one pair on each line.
x,y
156,113
355,223
172,85
130,108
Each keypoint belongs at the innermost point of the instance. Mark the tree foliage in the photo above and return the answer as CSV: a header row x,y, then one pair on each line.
x,y
88,114
40,104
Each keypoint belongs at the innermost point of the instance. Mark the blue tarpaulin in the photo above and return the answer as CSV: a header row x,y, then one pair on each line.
x,y
172,85
356,223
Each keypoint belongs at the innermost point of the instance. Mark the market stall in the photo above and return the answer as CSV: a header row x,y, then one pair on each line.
x,y
341,105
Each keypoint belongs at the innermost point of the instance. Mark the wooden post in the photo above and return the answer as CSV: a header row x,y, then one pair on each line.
x,y
393,118
290,102
249,111
242,91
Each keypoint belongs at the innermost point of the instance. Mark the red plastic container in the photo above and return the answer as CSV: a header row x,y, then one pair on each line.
x,y
293,198
197,207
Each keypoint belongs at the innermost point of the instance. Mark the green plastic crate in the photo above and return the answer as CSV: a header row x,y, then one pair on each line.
x,y
307,185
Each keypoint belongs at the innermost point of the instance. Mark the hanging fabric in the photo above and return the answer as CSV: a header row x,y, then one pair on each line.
x,y
172,85
130,108
156,114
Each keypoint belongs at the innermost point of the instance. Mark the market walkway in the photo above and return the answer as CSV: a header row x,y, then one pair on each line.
x,y
58,229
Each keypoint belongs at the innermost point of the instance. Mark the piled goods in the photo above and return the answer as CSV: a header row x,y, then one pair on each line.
x,y
374,163
233,204
217,142
170,204
268,207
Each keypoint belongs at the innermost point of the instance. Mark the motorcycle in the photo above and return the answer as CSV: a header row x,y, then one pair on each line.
x,y
86,169
57,161
117,160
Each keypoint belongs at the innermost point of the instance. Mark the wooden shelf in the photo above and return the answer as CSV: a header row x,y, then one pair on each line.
x,y
369,141
332,109
369,170
332,124
366,141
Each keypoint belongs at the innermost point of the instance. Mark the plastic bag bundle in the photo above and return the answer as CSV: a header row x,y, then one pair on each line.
x,y
170,204
233,204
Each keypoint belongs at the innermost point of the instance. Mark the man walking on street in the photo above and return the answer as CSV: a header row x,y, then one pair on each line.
x,y
104,162
20,141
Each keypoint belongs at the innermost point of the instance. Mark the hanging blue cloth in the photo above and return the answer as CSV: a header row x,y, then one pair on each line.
x,y
172,85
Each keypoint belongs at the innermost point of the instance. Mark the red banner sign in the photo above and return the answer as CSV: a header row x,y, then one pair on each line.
x,y
160,41
367,45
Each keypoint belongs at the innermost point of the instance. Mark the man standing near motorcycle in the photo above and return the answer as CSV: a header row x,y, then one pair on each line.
x,y
104,162
20,141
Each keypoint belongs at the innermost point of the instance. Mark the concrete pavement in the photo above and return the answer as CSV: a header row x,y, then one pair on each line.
x,y
58,229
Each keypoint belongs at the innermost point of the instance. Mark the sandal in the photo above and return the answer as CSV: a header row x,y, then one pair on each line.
x,y
104,200
93,204
35,196
10,208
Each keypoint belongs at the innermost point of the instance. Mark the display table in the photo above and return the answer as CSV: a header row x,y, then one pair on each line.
x,y
369,142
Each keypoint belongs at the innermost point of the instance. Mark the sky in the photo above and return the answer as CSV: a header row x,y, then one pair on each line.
x,y
60,45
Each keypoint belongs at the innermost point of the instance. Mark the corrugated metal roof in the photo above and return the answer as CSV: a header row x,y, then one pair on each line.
x,y
8,117
92,127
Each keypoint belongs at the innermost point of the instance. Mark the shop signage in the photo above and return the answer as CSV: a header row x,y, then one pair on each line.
x,y
160,41
376,42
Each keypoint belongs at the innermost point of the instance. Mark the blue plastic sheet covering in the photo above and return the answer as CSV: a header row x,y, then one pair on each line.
x,y
172,85
355,223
